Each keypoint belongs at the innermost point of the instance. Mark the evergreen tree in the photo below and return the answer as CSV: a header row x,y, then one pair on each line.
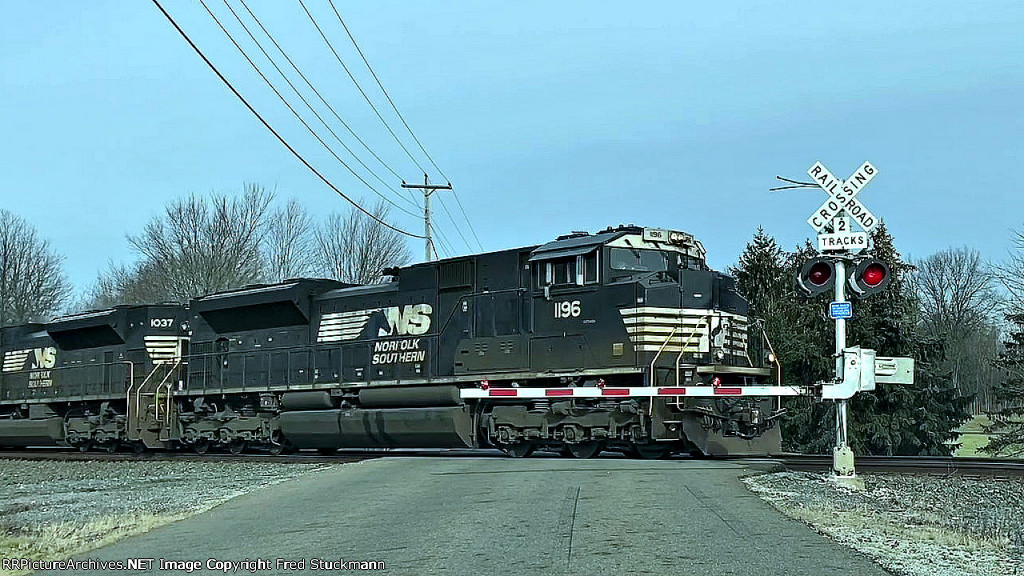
x,y
919,419
1006,433
895,419
759,275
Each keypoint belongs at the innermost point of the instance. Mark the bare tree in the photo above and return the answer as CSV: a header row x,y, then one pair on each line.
x,y
354,247
958,300
1011,274
289,243
33,284
200,245
956,291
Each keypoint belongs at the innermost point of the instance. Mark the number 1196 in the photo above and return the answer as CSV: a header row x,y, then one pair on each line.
x,y
567,309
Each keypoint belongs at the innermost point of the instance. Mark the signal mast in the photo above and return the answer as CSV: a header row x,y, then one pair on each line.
x,y
857,369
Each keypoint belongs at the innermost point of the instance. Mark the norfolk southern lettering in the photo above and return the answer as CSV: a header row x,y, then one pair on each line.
x,y
398,351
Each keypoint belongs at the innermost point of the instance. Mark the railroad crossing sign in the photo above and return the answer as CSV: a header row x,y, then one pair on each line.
x,y
841,206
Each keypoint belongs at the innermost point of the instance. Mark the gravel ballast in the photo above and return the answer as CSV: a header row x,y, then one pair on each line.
x,y
912,525
51,510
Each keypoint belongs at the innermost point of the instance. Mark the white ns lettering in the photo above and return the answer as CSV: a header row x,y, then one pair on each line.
x,y
413,319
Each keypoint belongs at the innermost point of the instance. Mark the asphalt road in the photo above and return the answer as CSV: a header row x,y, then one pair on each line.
x,y
480,516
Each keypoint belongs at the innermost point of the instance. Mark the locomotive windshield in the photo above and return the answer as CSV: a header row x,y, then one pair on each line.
x,y
635,260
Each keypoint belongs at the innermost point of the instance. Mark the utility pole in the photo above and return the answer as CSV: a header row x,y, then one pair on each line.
x,y
427,189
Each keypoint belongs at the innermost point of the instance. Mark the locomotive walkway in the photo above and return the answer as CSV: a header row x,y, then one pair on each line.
x,y
500,516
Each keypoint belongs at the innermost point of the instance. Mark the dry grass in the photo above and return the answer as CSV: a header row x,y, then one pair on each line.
x,y
59,510
67,539
912,526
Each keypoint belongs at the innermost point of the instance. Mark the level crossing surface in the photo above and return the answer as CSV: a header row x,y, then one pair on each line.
x,y
467,515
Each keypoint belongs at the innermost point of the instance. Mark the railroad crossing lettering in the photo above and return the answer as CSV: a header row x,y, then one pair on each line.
x,y
842,196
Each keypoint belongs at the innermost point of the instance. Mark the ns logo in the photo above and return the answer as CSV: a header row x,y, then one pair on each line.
x,y
45,358
410,320
35,358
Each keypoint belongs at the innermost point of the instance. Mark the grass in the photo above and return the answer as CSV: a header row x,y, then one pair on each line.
x,y
972,438
67,539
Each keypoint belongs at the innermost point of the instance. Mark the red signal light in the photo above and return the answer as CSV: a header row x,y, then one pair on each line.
x,y
819,274
868,277
816,276
874,274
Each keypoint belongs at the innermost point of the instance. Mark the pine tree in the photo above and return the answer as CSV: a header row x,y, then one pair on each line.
x,y
759,274
1006,433
895,419
917,419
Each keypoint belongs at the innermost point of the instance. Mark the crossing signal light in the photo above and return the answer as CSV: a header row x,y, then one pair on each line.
x,y
817,276
869,276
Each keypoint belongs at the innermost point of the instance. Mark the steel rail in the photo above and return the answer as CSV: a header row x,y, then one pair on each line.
x,y
943,465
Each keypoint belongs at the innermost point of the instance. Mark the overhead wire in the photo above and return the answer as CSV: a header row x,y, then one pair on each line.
x,y
297,115
308,105
386,95
452,220
358,87
443,240
267,125
318,94
404,123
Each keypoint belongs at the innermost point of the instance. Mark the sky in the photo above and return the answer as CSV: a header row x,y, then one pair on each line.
x,y
547,117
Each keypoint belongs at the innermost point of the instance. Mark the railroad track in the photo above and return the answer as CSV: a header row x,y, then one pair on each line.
x,y
72,456
943,465
939,465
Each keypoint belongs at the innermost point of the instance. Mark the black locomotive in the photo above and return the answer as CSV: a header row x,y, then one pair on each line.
x,y
620,340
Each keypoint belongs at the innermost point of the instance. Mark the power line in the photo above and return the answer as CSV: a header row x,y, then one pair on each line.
x,y
466,216
296,114
317,92
455,224
306,102
443,241
404,123
271,129
358,87
388,96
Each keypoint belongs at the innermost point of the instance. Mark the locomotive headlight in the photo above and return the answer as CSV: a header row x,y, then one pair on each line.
x,y
771,357
719,354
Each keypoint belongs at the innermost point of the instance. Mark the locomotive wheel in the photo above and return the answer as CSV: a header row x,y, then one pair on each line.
x,y
650,451
327,451
201,446
518,450
236,446
110,447
85,446
587,449
138,447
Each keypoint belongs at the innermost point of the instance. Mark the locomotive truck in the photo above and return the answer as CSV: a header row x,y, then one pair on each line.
x,y
620,340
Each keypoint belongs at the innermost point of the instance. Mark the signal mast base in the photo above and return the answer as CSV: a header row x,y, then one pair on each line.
x,y
843,471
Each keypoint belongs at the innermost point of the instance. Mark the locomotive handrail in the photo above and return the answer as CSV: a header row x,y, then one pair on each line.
x,y
696,331
156,394
138,392
654,379
128,392
778,365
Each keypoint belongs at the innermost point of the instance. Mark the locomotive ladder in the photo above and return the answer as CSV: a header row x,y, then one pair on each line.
x,y
158,379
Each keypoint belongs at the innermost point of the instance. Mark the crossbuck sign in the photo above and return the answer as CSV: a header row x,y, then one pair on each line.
x,y
842,206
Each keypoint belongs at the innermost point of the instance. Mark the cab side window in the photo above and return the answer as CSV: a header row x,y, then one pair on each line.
x,y
570,271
